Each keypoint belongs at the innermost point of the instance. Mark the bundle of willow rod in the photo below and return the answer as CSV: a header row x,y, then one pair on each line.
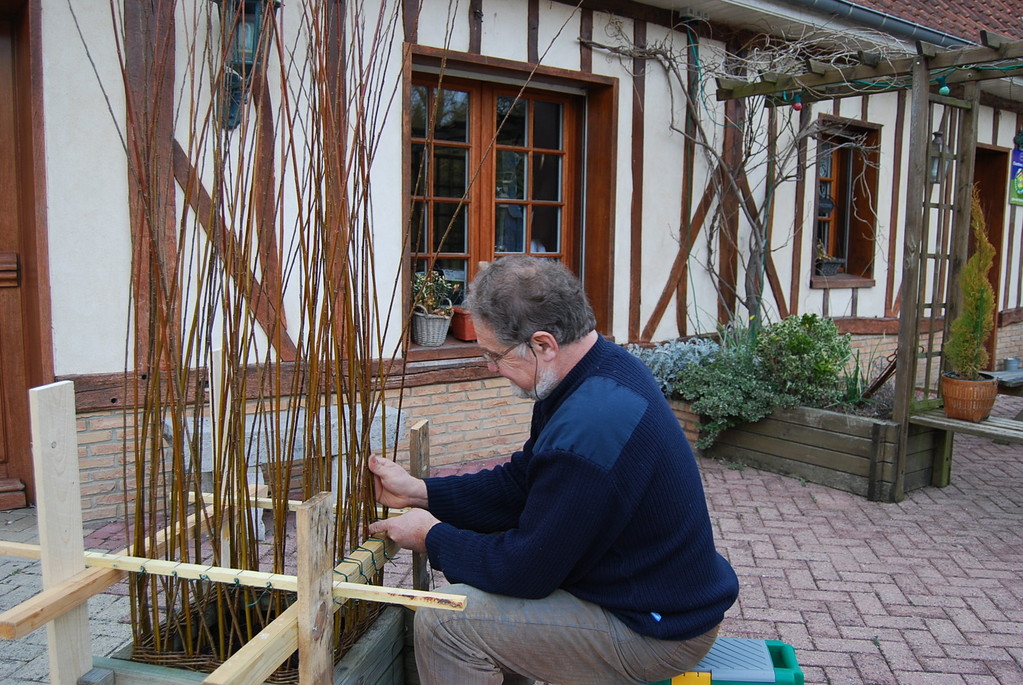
x,y
254,303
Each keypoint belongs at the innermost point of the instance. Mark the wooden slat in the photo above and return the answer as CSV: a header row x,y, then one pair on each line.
x,y
941,60
354,587
261,655
315,529
44,607
419,466
995,428
23,550
55,601
780,444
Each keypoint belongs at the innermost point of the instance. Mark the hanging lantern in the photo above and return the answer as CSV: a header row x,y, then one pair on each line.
x,y
241,25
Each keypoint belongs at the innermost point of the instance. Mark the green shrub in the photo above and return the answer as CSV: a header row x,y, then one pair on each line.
x,y
805,357
728,390
964,350
743,378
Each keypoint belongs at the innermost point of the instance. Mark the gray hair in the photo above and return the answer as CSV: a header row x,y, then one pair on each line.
x,y
517,296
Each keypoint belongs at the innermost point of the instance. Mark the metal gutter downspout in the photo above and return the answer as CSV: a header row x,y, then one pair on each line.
x,y
886,23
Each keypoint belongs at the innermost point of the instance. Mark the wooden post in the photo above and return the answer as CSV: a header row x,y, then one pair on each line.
x,y
220,405
419,466
909,315
941,466
315,527
55,459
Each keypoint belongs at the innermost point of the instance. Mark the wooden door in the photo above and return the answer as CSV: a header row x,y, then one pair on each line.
x,y
15,333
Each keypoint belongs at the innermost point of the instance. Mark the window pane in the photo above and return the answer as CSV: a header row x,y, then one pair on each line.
x,y
546,229
511,169
417,110
514,115
449,164
449,227
509,229
452,116
547,125
418,169
825,161
418,227
546,177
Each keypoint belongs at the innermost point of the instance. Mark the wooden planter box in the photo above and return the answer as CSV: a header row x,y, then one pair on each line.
x,y
842,451
375,659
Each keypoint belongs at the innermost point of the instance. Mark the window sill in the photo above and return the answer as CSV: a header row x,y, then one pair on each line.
x,y
452,348
840,281
451,362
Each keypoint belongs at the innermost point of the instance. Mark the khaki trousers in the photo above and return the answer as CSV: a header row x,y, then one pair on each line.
x,y
559,639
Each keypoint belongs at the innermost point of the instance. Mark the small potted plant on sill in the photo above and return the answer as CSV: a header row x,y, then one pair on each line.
x,y
825,264
965,392
431,308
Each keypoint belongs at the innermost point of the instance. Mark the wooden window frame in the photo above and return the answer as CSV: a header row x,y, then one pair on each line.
x,y
854,216
591,252
483,150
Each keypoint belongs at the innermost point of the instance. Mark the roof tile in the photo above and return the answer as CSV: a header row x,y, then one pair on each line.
x,y
960,18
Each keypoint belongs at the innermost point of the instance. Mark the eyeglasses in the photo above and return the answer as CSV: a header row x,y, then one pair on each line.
x,y
496,357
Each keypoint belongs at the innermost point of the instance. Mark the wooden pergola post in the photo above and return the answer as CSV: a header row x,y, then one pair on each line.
x,y
909,319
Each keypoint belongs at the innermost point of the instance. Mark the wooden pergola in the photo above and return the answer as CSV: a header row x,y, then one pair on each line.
x,y
937,216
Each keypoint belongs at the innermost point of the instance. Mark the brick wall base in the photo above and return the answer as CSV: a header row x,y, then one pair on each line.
x,y
471,422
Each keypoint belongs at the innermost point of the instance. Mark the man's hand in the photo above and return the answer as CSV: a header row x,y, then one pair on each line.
x,y
408,530
395,487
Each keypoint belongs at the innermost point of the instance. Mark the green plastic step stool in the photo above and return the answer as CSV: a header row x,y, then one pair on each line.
x,y
741,661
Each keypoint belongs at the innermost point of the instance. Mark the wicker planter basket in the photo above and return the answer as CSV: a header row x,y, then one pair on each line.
x,y
428,329
968,400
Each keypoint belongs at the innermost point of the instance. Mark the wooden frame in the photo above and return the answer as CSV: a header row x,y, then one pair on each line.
x,y
68,585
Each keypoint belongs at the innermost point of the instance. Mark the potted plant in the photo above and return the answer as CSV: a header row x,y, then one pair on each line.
x,y
431,308
825,264
966,393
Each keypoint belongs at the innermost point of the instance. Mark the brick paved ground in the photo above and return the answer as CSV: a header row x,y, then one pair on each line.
x,y
928,591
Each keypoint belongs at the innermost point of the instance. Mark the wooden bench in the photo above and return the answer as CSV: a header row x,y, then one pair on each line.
x,y
995,428
1009,383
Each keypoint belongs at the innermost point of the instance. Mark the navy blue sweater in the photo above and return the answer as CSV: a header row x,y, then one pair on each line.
x,y
604,501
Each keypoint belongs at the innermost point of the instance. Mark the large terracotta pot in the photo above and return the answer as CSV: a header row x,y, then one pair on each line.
x,y
968,400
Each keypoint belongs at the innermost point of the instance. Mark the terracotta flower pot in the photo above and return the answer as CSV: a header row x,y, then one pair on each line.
x,y
461,325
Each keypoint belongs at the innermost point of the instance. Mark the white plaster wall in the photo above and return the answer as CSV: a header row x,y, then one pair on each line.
x,y
662,185
86,201
883,109
446,26
606,64
505,30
